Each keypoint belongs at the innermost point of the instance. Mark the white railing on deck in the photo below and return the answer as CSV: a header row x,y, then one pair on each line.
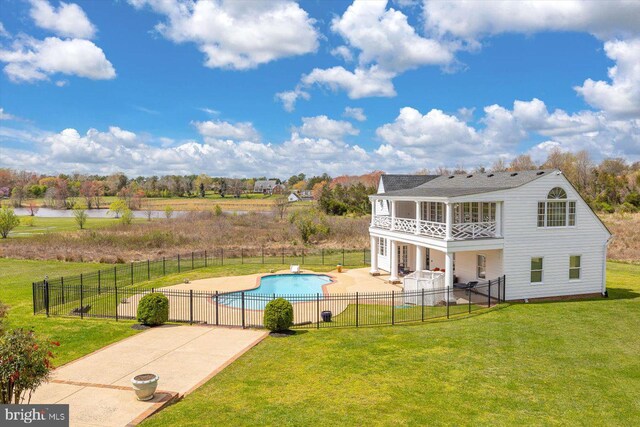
x,y
405,224
432,229
473,230
382,221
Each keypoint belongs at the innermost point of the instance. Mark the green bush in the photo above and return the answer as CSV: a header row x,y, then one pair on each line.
x,y
153,309
278,315
604,207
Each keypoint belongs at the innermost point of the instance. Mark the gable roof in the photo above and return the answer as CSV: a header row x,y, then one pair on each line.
x,y
467,184
403,182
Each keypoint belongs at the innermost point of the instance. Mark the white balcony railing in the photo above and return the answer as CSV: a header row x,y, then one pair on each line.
x,y
473,230
405,225
438,230
433,229
382,221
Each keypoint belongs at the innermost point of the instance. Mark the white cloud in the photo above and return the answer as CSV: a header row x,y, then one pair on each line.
x,y
360,83
210,111
622,96
471,20
237,35
6,116
355,113
384,37
218,129
290,97
68,20
31,60
3,31
343,52
324,127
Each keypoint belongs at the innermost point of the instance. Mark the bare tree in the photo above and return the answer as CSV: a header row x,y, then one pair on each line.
x,y
499,166
280,206
522,162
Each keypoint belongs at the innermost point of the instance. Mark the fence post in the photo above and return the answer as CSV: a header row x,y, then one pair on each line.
x,y
178,263
242,309
116,292
98,282
364,256
132,273
357,306
282,256
221,256
33,296
241,255
115,276
262,249
148,269
216,308
302,256
393,307
164,267
342,256
489,294
46,296
205,257
81,300
62,288
191,306
447,300
499,296
423,304
322,251
318,307
192,264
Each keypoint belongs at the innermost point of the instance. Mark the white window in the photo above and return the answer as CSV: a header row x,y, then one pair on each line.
x,y
556,211
433,211
536,270
574,267
481,267
382,247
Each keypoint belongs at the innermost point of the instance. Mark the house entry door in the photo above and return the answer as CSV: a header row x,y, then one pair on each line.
x,y
403,256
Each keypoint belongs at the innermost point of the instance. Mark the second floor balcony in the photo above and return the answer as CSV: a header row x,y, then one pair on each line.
x,y
439,220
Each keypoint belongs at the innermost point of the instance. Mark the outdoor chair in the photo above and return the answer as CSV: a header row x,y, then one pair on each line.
x,y
465,286
295,269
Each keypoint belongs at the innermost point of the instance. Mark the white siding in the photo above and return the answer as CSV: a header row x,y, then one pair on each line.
x,y
523,240
466,265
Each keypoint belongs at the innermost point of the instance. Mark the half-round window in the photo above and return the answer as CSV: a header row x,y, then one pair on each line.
x,y
557,193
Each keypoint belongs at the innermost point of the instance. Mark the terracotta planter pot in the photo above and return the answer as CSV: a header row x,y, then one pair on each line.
x,y
145,385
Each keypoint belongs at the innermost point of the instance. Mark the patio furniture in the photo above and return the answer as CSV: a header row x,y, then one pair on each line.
x,y
326,316
295,269
465,286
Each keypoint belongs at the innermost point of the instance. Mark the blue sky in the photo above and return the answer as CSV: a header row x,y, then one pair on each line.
x,y
146,88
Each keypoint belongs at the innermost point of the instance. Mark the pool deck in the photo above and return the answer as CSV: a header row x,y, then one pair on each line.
x,y
349,281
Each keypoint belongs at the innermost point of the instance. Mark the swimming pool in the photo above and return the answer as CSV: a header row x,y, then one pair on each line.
x,y
294,287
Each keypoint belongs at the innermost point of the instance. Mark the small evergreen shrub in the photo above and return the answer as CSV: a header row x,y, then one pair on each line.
x,y
278,315
153,309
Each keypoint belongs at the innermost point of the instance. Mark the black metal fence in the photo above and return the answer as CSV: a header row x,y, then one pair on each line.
x,y
245,309
122,275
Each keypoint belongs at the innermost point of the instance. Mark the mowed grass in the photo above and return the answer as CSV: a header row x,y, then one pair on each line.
x,y
76,337
43,225
559,363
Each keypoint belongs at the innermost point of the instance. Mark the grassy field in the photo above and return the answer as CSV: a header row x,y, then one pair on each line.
x,y
42,225
248,202
561,363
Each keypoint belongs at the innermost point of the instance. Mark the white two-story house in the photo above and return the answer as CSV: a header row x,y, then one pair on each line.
x,y
532,227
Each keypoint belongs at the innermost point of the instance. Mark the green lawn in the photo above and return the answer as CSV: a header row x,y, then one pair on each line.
x,y
561,363
42,225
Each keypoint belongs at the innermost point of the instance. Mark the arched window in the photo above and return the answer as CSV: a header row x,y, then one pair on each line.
x,y
556,211
557,193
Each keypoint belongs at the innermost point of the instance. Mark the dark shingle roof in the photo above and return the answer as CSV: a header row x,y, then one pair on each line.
x,y
467,184
404,182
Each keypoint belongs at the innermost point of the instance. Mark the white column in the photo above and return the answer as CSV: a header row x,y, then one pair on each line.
x,y
498,219
374,255
449,219
393,214
448,274
394,260
418,217
373,211
419,258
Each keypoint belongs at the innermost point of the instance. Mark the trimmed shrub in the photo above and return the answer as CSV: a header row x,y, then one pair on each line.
x,y
278,315
153,309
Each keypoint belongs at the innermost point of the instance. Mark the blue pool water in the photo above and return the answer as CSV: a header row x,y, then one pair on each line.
x,y
294,287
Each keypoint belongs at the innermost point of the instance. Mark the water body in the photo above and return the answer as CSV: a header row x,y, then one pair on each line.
x,y
104,213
